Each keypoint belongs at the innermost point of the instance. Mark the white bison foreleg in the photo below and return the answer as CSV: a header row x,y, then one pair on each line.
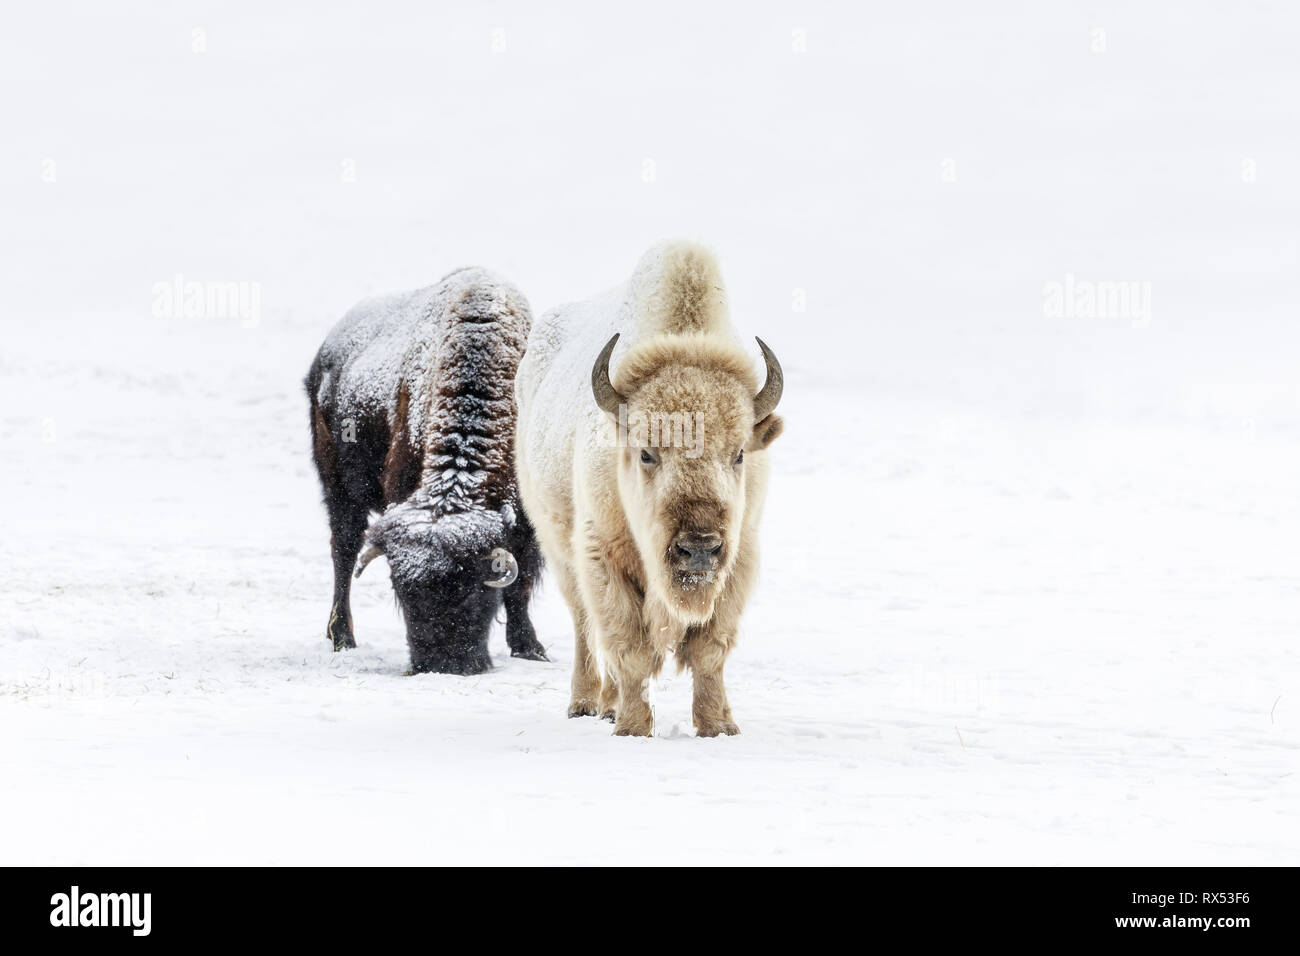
x,y
585,684
634,667
614,607
705,647
705,651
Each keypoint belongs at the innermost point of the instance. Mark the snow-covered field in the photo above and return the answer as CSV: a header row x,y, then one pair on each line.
x,y
1031,585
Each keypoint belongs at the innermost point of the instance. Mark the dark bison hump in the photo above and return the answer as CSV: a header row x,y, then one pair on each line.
x,y
469,439
430,373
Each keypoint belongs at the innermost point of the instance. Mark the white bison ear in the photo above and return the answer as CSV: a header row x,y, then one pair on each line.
x,y
766,432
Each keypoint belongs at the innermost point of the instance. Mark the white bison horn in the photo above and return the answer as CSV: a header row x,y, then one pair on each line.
x,y
607,396
503,563
769,395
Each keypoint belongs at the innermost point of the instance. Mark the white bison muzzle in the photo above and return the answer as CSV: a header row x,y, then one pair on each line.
x,y
653,534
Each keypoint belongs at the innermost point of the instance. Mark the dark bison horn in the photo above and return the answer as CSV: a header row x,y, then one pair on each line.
x,y
371,552
769,396
607,397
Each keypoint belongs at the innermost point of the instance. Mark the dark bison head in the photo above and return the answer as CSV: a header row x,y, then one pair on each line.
x,y
448,571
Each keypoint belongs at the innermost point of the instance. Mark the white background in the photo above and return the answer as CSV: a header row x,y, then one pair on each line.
x,y
1030,587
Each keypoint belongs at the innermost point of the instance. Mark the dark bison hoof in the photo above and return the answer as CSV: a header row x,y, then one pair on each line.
x,y
341,641
532,653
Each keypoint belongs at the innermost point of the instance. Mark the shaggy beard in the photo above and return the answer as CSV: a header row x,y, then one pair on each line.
x,y
689,597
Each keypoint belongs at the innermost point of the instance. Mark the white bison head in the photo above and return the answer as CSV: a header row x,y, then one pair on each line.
x,y
687,411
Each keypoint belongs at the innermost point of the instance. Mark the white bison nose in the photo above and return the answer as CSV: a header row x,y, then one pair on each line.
x,y
697,552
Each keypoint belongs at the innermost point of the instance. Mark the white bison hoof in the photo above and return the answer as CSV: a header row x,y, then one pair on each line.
x,y
715,728
584,707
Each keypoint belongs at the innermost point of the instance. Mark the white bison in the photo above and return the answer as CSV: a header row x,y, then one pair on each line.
x,y
646,486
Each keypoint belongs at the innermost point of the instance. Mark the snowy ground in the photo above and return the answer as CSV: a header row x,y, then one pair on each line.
x,y
1031,589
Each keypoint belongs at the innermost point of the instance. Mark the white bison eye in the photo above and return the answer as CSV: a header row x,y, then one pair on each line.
x,y
648,457
740,458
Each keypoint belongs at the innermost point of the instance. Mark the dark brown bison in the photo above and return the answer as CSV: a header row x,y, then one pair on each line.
x,y
413,414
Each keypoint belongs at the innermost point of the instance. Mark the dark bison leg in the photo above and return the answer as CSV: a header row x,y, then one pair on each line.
x,y
347,529
347,522
520,636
